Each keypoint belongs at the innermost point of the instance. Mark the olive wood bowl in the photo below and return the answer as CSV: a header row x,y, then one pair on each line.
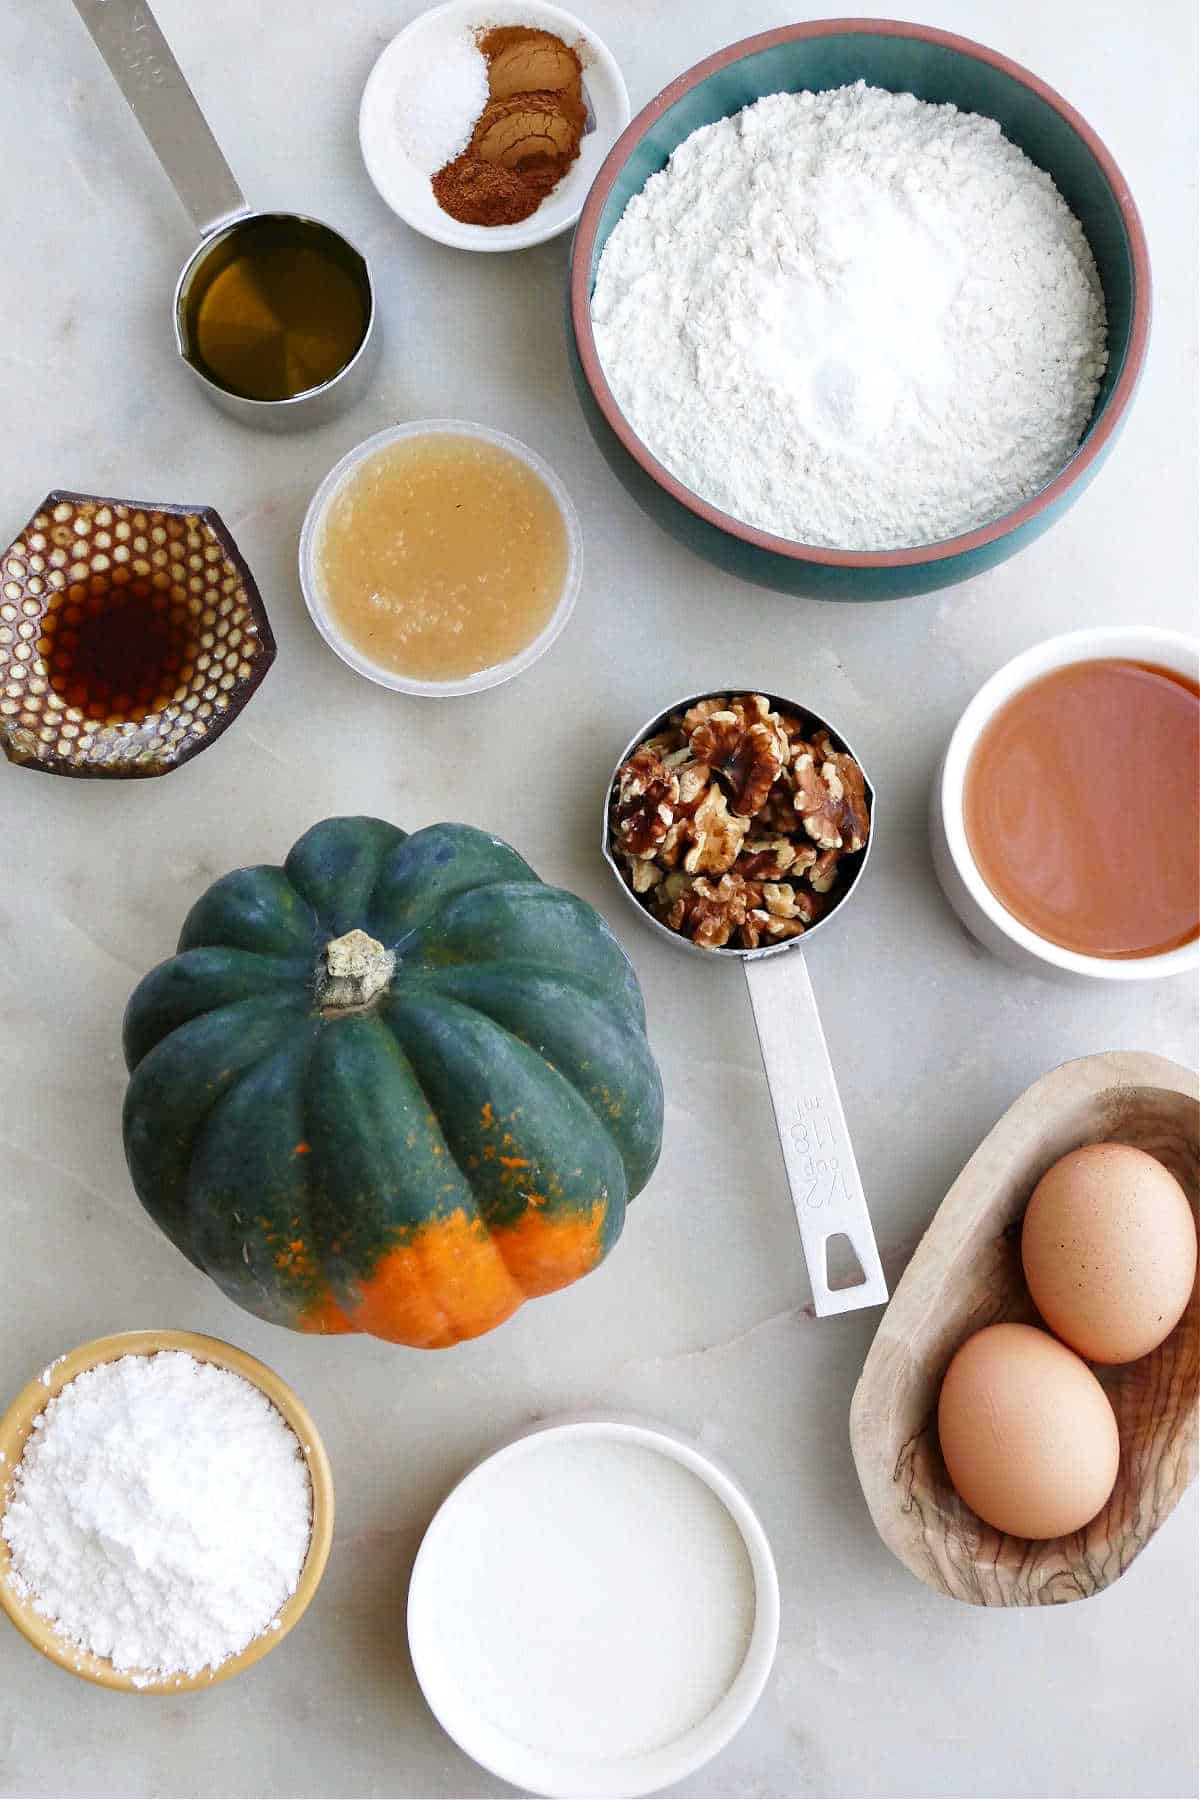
x,y
15,1427
966,1274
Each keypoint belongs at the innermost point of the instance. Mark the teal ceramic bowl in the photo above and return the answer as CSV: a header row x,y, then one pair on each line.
x,y
935,66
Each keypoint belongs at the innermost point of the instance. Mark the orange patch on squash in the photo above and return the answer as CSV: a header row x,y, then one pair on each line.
x,y
447,1282
452,1280
294,1258
549,1251
325,1319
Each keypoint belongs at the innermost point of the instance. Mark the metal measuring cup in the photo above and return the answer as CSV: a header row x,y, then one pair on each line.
x,y
129,39
818,1157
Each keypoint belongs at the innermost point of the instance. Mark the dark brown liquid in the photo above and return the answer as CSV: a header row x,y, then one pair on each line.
x,y
277,308
1082,808
118,654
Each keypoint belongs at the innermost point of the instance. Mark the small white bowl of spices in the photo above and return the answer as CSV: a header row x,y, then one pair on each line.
x,y
439,558
166,1511
483,126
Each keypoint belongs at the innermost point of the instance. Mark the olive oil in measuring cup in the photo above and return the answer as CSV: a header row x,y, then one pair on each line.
x,y
278,307
273,311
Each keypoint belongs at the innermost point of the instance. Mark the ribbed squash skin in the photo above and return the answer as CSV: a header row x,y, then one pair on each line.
x,y
419,1168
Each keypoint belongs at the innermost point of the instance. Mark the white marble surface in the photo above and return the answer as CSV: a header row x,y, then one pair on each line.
x,y
699,1317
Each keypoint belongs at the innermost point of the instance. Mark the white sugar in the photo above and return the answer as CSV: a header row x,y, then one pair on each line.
x,y
161,1513
595,1599
438,103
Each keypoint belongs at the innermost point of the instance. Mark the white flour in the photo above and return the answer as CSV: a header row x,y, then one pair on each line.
x,y
853,319
160,1515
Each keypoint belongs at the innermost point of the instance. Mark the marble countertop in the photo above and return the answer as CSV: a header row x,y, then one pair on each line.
x,y
699,1318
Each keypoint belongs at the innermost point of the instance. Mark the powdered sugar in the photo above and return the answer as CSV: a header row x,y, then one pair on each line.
x,y
853,319
161,1513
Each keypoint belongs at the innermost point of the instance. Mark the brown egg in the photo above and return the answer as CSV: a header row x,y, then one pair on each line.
x,y
1028,1435
1109,1249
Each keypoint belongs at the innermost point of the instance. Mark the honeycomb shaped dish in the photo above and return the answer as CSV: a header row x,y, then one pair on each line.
x,y
131,636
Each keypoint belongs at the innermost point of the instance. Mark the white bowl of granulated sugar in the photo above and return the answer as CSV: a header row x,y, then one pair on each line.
x,y
166,1511
428,90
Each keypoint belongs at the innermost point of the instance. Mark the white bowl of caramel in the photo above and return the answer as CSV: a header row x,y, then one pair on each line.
x,y
1065,817
439,558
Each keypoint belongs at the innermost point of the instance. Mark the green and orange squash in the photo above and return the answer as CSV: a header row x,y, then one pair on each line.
x,y
399,1085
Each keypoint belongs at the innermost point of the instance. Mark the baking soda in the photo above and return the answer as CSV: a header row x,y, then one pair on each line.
x,y
161,1513
436,109
853,319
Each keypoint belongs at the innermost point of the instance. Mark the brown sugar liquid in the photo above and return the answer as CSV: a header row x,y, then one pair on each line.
x,y
1082,808
442,555
118,654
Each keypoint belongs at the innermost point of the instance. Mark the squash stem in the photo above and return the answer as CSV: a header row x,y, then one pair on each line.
x,y
352,972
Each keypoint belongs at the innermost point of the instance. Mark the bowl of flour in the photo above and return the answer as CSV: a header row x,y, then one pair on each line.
x,y
857,308
166,1511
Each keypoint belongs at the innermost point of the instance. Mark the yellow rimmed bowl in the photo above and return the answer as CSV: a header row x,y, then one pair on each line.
x,y
15,1427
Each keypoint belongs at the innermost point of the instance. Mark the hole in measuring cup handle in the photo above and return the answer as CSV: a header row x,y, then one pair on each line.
x,y
842,1267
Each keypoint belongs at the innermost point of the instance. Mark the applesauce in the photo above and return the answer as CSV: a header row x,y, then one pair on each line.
x,y
441,555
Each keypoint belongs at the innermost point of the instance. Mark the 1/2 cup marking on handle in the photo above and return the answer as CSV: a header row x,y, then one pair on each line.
x,y
817,1153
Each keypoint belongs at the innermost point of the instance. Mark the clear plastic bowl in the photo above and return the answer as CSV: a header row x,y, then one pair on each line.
x,y
314,597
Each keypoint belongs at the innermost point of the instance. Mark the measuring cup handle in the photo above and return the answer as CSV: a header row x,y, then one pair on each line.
x,y
127,36
817,1154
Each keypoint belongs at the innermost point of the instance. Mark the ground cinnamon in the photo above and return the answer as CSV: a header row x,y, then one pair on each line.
x,y
526,137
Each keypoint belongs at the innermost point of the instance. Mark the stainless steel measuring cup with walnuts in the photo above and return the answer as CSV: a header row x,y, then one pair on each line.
x,y
739,824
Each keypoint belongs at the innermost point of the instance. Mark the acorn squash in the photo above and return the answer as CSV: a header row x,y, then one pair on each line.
x,y
398,1085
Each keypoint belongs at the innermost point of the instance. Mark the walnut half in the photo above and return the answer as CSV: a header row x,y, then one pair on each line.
x,y
744,746
717,835
711,912
831,796
643,807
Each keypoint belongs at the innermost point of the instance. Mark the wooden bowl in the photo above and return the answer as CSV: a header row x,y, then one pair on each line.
x,y
966,1274
15,1428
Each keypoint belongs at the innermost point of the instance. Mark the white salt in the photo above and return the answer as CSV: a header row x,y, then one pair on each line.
x,y
595,1598
161,1513
439,101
